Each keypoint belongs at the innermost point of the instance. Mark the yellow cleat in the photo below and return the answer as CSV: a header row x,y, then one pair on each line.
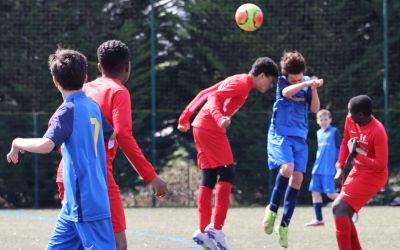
x,y
269,220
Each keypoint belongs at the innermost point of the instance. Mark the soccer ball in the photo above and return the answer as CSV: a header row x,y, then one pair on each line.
x,y
249,17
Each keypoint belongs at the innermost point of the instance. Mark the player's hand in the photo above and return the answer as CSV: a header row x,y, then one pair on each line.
x,y
339,176
160,186
226,121
12,156
316,83
184,127
352,145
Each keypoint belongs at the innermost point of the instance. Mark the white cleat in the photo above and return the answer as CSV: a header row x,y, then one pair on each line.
x,y
218,236
203,240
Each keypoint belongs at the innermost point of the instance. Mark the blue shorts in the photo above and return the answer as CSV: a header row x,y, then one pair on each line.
x,y
82,235
285,149
322,184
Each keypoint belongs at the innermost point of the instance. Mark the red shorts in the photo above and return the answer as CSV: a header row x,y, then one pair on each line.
x,y
116,205
213,149
359,188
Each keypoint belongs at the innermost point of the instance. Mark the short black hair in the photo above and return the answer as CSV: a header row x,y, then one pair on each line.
x,y
361,103
264,65
113,56
69,68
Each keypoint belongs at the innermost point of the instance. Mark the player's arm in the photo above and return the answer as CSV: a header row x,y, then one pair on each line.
x,y
59,130
198,101
33,145
380,143
218,100
343,153
122,121
292,89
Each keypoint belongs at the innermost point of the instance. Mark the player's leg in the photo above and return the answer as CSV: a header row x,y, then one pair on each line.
x,y
97,234
222,200
117,213
204,207
300,155
316,189
64,236
341,212
279,155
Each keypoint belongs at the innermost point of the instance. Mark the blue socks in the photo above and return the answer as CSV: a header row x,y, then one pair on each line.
x,y
281,184
318,211
289,205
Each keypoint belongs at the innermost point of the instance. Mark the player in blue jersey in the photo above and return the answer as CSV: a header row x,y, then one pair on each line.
x,y
324,170
79,129
296,94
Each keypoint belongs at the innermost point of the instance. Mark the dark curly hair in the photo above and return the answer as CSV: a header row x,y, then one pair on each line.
x,y
69,68
113,56
293,63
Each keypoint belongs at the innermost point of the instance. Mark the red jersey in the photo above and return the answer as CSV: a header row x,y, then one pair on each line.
x,y
373,144
223,99
115,103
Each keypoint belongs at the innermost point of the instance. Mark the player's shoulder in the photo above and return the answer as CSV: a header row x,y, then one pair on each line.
x,y
105,84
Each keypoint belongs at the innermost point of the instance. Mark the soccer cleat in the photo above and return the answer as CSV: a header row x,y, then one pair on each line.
x,y
202,240
354,218
282,232
218,236
315,223
269,220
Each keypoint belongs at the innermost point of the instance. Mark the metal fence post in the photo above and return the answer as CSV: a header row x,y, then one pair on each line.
x,y
35,162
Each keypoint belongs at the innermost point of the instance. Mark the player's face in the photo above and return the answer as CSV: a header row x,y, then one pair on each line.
x,y
295,78
356,117
265,83
324,121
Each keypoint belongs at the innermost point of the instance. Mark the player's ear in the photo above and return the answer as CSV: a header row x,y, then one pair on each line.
x,y
128,67
56,83
100,68
86,77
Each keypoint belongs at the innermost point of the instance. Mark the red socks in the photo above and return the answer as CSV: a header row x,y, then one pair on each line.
x,y
346,234
204,207
343,232
222,199
355,243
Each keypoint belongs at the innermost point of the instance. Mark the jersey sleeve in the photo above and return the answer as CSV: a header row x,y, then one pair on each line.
x,y
61,125
107,129
338,139
225,91
380,142
344,150
197,102
122,122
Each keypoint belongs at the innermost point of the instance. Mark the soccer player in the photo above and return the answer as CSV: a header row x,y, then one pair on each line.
x,y
364,139
214,154
324,170
77,129
296,94
115,102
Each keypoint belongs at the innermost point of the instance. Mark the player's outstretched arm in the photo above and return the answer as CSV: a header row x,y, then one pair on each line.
x,y
33,145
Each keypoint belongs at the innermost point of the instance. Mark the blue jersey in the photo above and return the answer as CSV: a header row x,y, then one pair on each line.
x,y
79,128
329,141
290,115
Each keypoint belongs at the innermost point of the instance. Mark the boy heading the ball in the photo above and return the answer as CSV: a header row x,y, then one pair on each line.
x,y
214,154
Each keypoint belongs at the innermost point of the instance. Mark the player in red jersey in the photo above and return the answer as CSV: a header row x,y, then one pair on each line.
x,y
214,155
115,103
364,139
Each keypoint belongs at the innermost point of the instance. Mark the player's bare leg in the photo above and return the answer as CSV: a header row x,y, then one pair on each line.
x,y
120,239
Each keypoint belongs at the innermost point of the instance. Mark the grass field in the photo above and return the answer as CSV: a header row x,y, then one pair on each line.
x,y
171,228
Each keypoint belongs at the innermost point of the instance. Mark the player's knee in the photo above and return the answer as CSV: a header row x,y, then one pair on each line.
x,y
287,169
296,180
226,174
121,244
